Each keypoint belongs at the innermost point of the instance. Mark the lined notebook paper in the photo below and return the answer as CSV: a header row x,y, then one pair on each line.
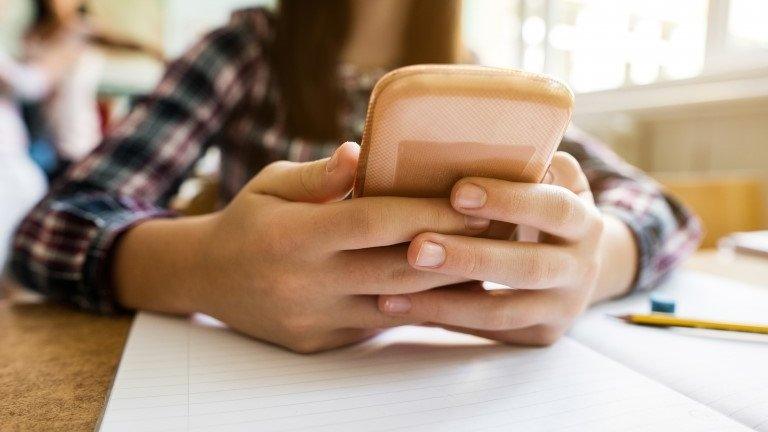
x,y
180,375
727,371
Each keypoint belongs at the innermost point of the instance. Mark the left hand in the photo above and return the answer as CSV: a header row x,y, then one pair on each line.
x,y
550,282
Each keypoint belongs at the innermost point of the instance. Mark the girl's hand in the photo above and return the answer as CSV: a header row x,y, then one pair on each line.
x,y
550,282
288,261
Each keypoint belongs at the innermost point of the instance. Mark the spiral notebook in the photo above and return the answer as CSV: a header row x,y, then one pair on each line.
x,y
195,375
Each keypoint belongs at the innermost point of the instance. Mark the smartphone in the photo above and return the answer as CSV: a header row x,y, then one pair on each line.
x,y
428,126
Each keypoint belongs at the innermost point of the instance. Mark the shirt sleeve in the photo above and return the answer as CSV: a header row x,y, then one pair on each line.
x,y
23,81
62,248
665,231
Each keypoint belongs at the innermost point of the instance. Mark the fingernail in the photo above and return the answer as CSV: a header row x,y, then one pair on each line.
x,y
332,162
396,305
470,196
430,255
474,222
548,178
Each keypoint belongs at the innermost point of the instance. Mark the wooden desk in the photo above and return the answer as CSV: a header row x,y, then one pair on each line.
x,y
56,364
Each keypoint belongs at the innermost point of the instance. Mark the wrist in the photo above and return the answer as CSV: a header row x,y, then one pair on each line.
x,y
158,265
619,260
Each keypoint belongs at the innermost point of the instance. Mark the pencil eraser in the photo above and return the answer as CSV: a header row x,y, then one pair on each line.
x,y
662,304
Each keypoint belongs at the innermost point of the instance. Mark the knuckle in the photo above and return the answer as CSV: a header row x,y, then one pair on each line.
x,y
537,270
435,310
326,223
471,262
309,180
568,264
363,222
598,224
565,209
401,273
273,168
435,219
569,162
515,200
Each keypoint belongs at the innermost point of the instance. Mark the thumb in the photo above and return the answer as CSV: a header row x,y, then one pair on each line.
x,y
323,180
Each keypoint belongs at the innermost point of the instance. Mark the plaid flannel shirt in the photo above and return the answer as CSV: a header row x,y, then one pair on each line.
x,y
222,92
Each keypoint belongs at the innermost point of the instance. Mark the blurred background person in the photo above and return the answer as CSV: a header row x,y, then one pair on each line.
x,y
49,111
22,182
67,117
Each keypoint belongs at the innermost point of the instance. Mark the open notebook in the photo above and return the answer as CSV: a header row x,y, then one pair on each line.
x,y
727,371
179,375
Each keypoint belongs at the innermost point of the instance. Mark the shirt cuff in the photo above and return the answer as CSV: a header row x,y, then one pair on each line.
x,y
97,268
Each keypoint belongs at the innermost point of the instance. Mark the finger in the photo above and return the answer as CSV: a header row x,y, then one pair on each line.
x,y
563,171
566,172
382,221
323,180
536,335
386,271
486,310
362,312
549,208
514,264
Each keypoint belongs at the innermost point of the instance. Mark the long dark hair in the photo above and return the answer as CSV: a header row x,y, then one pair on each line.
x,y
310,37
45,22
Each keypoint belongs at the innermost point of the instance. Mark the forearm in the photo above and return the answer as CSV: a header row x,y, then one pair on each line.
x,y
619,260
156,265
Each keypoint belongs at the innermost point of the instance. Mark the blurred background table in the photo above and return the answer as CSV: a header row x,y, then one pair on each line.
x,y
57,364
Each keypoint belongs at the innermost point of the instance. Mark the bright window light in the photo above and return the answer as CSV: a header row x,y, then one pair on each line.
x,y
746,23
593,44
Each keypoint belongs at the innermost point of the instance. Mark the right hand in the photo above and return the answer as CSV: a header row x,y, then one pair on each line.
x,y
290,262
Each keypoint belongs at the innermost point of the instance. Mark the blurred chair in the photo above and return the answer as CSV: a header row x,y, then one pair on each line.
x,y
725,202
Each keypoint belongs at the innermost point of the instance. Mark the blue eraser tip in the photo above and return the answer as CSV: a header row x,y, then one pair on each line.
x,y
663,304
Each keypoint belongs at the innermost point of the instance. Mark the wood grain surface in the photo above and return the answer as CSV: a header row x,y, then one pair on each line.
x,y
56,366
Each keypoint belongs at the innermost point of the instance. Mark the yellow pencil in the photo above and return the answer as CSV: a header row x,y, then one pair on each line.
x,y
665,320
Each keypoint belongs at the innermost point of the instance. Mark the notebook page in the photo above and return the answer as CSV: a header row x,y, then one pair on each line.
x,y
727,371
176,375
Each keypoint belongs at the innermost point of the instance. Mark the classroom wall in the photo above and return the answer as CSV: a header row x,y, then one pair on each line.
x,y
714,154
13,19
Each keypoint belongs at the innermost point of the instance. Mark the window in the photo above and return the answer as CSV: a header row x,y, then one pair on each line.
x,y
605,44
746,24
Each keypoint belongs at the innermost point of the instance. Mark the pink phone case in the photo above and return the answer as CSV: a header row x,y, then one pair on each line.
x,y
430,125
